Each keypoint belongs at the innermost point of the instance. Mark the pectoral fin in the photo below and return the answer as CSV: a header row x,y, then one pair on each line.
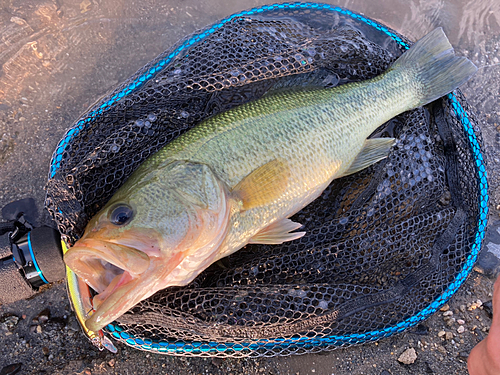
x,y
278,232
264,185
374,150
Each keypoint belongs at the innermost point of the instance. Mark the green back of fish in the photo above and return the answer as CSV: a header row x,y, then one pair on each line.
x,y
319,132
309,129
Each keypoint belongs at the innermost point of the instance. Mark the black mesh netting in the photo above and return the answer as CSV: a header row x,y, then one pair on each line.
x,y
384,248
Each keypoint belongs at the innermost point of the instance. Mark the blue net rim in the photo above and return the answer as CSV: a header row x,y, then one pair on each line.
x,y
218,348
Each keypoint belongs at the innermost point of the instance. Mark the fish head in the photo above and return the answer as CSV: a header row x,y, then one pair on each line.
x,y
160,229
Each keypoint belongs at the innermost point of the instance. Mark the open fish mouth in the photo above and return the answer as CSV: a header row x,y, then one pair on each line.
x,y
99,263
112,270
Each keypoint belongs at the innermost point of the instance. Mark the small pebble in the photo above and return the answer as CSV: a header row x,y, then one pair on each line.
x,y
460,321
441,333
409,356
462,308
461,329
445,308
449,335
38,329
45,350
11,369
43,316
475,305
217,361
463,356
488,309
441,349
111,362
448,313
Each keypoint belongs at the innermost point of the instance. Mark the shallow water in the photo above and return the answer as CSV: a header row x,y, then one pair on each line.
x,y
58,57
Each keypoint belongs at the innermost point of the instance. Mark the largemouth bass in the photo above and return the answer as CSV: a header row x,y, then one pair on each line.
x,y
237,177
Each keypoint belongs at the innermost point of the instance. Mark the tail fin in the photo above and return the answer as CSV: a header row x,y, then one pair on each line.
x,y
435,66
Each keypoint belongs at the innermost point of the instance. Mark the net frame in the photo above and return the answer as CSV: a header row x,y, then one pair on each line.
x,y
455,107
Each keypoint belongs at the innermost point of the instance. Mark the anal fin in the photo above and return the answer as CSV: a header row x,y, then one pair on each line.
x,y
374,150
278,232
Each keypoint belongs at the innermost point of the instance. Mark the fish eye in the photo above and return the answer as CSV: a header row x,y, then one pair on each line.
x,y
121,214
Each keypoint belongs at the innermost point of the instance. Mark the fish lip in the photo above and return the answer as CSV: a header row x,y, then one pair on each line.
x,y
125,257
89,259
123,295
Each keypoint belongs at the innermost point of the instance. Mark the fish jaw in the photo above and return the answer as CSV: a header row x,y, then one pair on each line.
x,y
166,243
125,291
122,275
95,261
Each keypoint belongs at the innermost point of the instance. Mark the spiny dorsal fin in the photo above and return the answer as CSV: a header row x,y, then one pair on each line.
x,y
264,185
278,232
374,150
